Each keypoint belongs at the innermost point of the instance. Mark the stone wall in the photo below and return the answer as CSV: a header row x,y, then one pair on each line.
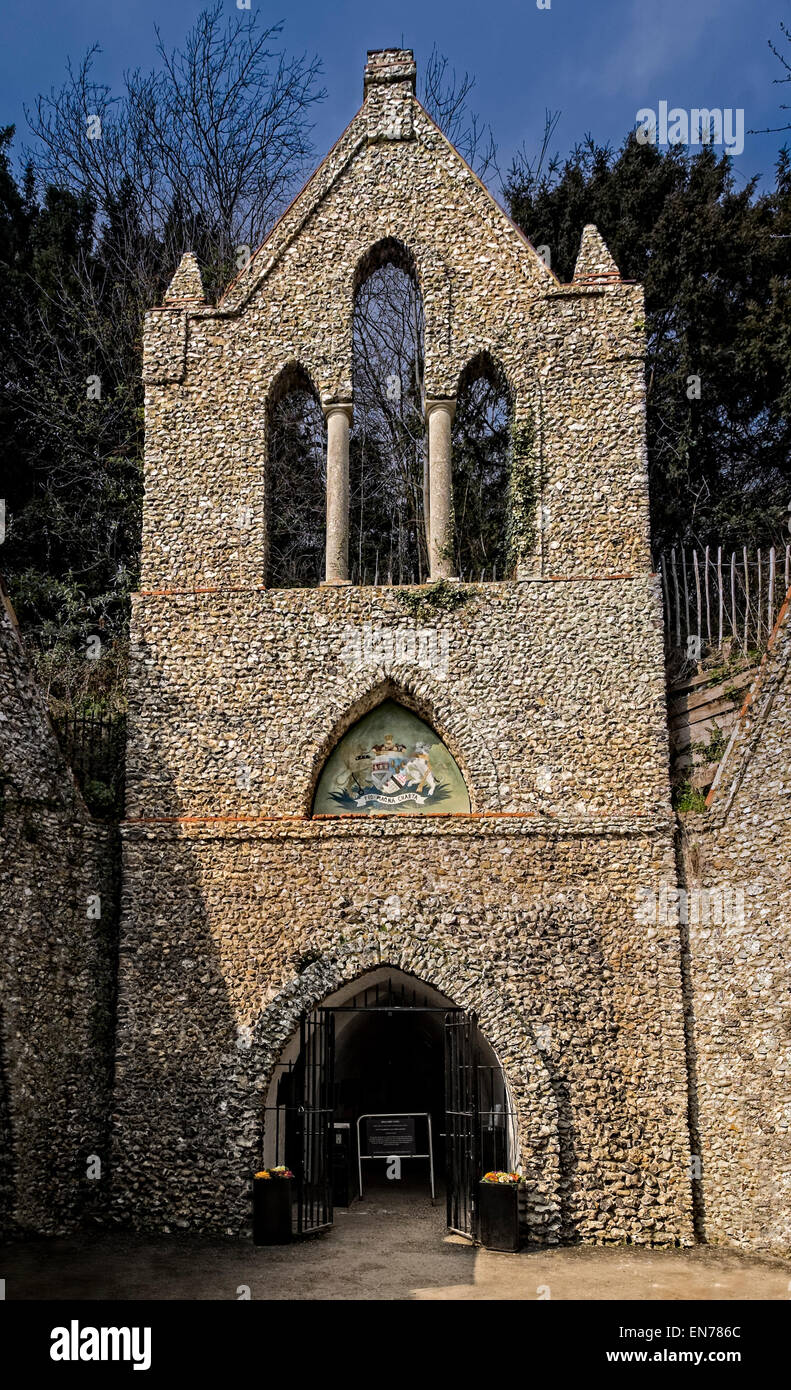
x,y
238,908
736,872
57,967
550,695
230,930
572,355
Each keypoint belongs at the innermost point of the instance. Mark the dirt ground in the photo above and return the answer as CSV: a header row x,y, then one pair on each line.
x,y
394,1245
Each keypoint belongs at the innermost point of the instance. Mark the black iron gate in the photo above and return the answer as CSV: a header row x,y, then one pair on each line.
x,y
302,1118
299,1126
462,1127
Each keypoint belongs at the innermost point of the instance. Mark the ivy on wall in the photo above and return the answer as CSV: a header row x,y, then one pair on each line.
x,y
441,597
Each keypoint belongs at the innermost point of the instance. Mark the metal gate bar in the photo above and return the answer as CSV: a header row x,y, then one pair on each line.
x,y
315,1116
478,1115
462,1122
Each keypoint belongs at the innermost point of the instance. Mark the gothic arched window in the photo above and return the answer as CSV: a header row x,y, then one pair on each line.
x,y
482,470
296,482
387,456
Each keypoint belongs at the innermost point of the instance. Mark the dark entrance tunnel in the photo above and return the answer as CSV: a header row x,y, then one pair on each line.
x,y
386,1045
392,1063
389,1062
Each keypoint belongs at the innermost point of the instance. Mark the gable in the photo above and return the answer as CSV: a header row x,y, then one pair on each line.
x,y
572,355
393,152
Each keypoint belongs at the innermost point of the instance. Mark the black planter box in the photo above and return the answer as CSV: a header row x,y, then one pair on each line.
x,y
271,1211
498,1215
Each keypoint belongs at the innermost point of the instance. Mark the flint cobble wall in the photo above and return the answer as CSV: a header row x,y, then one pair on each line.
x,y
526,910
58,870
547,689
230,931
550,695
738,972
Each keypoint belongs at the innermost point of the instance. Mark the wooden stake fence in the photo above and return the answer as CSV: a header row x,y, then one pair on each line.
x,y
709,601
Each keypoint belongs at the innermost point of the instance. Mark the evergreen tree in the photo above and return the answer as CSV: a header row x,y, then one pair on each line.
x,y
716,265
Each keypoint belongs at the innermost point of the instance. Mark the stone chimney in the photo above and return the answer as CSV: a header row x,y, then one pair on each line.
x,y
389,88
390,65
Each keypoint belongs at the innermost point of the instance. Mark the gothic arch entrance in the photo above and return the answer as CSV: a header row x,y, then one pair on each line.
x,y
388,1045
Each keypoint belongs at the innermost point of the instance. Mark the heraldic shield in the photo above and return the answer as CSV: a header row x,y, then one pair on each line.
x,y
390,761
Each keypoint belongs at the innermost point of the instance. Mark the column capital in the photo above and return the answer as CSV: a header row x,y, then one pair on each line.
x,y
447,403
332,407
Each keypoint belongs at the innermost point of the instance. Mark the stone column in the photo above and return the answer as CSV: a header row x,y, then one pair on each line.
x,y
439,415
338,416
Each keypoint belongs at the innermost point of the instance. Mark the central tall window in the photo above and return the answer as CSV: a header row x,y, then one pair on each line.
x,y
387,458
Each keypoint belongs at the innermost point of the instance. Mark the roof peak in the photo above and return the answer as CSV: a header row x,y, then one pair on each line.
x,y
387,65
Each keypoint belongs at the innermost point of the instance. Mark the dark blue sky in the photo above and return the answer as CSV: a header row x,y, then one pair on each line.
x,y
597,61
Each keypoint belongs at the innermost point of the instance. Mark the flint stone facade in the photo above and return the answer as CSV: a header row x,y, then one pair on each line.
x,y
58,925
647,1063
738,970
239,909
572,355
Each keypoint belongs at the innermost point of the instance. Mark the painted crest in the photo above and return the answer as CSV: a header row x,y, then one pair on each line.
x,y
390,761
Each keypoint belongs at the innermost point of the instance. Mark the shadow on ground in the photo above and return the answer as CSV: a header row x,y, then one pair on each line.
x,y
394,1245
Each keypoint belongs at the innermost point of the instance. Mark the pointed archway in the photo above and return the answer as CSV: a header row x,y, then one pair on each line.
x,y
458,980
388,467
296,476
424,691
388,1047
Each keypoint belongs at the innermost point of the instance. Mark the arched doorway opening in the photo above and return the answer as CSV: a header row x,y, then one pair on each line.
x,y
388,1046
